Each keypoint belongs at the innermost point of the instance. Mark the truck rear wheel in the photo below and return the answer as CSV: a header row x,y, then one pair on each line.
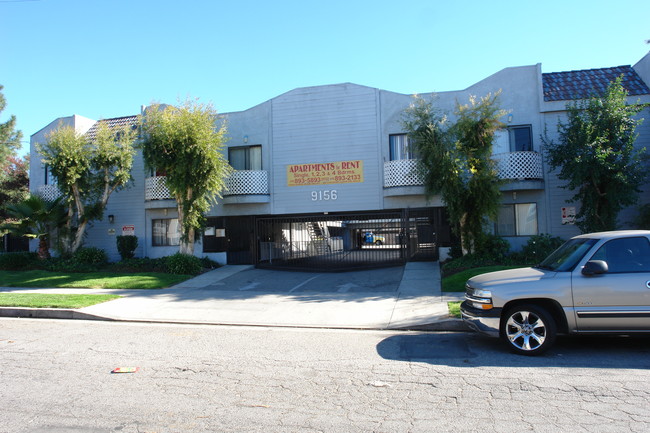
x,y
528,329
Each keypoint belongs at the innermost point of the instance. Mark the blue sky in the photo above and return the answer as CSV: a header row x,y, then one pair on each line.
x,y
106,58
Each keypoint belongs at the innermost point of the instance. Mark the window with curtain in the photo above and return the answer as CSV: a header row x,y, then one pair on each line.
x,y
400,147
165,232
245,157
517,220
521,138
49,179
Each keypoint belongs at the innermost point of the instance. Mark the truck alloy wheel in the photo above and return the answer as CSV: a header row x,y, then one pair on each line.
x,y
528,329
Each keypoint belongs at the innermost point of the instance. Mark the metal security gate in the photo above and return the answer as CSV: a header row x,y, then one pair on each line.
x,y
346,241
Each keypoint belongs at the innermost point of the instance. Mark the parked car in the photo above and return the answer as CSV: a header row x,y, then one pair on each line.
x,y
371,238
593,283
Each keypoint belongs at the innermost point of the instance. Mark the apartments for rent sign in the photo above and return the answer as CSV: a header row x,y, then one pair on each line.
x,y
326,173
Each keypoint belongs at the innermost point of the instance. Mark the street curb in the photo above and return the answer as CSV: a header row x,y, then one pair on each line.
x,y
49,313
448,325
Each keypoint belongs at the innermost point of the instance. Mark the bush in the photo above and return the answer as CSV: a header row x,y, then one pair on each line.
x,y
144,264
83,260
207,262
90,256
490,250
126,246
18,261
183,264
492,247
68,264
538,248
467,261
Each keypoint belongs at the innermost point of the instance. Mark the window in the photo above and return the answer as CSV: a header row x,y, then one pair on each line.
x,y
400,147
521,138
166,232
517,220
625,255
49,179
245,158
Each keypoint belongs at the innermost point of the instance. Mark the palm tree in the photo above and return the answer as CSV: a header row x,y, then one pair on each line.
x,y
36,218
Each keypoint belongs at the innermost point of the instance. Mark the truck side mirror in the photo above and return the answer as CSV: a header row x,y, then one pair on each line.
x,y
595,267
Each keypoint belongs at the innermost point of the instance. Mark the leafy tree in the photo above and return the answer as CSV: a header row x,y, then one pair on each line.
x,y
642,218
37,218
457,160
13,174
14,183
185,142
595,154
9,137
87,173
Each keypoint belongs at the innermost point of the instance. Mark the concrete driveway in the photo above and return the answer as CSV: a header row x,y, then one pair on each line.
x,y
403,297
377,281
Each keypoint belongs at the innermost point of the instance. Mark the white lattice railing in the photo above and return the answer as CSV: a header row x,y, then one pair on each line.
x,y
155,188
243,182
403,172
48,192
519,165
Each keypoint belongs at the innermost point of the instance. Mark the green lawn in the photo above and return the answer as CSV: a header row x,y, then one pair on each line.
x,y
92,280
456,282
40,300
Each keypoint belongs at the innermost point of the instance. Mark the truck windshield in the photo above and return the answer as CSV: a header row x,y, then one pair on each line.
x,y
568,255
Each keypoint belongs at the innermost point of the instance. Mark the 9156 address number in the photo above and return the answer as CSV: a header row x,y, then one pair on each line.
x,y
328,194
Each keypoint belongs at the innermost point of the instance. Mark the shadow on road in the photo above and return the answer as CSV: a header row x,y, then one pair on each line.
x,y
475,350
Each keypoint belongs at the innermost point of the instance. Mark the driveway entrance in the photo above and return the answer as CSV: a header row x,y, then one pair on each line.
x,y
348,241
381,282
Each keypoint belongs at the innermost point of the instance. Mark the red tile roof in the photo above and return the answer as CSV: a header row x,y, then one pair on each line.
x,y
562,86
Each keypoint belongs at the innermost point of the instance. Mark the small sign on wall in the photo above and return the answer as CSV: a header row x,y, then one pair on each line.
x,y
220,233
128,230
568,215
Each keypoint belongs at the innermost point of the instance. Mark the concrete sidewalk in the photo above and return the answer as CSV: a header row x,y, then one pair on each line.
x,y
417,304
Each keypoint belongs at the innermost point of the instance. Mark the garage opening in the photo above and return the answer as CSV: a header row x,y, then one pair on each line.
x,y
347,241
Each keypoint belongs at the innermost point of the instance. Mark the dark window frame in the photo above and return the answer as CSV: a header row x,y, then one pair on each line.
x,y
169,240
517,229
512,138
409,150
247,157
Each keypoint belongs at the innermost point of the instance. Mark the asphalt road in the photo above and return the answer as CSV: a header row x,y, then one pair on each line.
x,y
55,376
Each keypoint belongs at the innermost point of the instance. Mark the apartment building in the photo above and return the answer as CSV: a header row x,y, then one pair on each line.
x,y
324,176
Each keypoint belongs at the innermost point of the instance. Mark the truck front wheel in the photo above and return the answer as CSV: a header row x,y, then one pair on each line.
x,y
528,329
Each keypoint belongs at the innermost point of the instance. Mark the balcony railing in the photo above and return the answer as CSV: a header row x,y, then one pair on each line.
x,y
247,182
156,189
403,172
519,165
49,192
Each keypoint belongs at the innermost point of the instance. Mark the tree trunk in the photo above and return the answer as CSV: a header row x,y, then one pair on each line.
x,y
78,237
187,247
43,248
465,241
187,239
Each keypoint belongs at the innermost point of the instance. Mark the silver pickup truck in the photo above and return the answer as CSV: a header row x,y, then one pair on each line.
x,y
594,283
